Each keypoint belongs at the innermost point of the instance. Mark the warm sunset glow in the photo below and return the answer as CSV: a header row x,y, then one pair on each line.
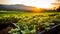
x,y
36,10
36,3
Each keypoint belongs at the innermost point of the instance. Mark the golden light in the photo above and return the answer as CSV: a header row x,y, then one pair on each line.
x,y
36,10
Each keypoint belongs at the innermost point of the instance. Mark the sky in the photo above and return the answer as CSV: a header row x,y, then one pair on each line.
x,y
37,3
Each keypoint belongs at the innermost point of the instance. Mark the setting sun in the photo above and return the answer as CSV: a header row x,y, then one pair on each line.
x,y
36,3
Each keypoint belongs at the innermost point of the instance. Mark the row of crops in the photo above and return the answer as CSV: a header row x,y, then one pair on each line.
x,y
32,24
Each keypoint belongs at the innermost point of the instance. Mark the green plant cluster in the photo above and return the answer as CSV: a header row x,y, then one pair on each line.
x,y
32,24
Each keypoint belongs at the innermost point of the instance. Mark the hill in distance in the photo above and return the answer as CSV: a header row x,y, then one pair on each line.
x,y
16,7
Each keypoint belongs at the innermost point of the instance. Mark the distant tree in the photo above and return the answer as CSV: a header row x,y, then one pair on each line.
x,y
58,9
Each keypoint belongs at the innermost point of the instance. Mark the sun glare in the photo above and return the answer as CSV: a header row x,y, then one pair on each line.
x,y
41,3
44,4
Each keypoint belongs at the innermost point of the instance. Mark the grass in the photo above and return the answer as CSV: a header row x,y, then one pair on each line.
x,y
25,13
